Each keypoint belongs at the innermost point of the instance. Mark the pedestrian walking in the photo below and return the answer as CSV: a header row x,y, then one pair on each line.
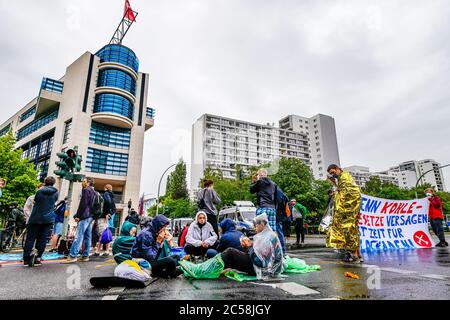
x,y
436,216
299,217
344,232
40,222
265,190
102,220
84,218
207,201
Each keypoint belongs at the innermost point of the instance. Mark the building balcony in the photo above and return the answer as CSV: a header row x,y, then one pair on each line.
x,y
112,119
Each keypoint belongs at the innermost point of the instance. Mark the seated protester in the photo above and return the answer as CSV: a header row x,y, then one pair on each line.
x,y
182,238
201,238
124,243
231,238
149,246
264,257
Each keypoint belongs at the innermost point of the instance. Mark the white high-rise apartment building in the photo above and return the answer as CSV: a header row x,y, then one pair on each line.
x,y
99,105
409,172
321,133
362,174
224,143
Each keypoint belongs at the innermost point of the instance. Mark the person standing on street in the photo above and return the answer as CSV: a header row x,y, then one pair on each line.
x,y
58,225
207,201
344,232
28,207
436,216
299,217
265,190
40,222
84,218
109,208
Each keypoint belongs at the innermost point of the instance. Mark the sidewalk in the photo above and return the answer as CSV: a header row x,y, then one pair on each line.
x,y
311,241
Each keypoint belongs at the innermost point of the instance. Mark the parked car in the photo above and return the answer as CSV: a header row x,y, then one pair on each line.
x,y
243,213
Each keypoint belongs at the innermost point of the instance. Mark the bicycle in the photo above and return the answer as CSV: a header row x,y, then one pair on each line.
x,y
10,239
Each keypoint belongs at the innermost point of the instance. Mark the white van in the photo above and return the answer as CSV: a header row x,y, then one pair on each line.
x,y
243,213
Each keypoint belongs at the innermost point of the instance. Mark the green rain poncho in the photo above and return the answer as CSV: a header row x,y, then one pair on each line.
x,y
123,244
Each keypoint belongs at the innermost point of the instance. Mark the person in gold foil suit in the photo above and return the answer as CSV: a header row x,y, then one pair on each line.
x,y
344,233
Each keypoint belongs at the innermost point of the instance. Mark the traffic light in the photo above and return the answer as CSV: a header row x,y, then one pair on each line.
x,y
78,161
71,159
70,162
63,169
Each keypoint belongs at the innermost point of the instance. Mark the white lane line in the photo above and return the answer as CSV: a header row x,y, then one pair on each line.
x,y
435,276
110,297
400,271
291,287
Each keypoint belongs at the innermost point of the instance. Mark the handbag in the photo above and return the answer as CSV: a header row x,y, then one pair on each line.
x,y
106,236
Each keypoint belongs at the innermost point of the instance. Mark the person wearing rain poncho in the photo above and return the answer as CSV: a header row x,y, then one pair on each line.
x,y
343,233
263,257
124,243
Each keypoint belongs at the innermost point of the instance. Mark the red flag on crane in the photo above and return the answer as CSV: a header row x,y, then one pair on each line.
x,y
129,13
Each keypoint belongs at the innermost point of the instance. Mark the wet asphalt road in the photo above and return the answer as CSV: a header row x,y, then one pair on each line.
x,y
403,274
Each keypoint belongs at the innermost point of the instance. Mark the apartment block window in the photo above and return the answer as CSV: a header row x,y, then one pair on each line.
x,y
107,162
67,128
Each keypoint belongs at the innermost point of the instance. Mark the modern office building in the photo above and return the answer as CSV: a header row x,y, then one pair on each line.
x,y
99,105
223,143
362,174
321,133
409,172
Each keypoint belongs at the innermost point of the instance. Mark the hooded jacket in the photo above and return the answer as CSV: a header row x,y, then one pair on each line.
x,y
231,238
435,210
124,243
265,192
196,235
146,246
87,200
44,206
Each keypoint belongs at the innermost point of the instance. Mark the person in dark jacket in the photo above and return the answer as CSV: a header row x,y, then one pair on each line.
x,y
58,225
133,217
40,222
149,246
436,217
208,199
265,190
231,238
84,218
101,222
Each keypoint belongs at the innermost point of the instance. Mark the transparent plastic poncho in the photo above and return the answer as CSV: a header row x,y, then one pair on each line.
x,y
327,218
268,249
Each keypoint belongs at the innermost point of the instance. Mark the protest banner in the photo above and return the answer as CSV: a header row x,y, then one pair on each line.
x,y
393,224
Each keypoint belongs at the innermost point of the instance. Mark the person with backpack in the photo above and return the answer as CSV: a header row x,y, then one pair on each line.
x,y
283,211
89,203
207,201
40,222
299,216
58,225
265,190
102,219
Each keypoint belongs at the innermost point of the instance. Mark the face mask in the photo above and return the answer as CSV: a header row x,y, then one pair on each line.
x,y
429,194
332,175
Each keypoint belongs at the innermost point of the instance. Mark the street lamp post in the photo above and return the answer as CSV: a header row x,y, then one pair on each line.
x,y
159,186
420,178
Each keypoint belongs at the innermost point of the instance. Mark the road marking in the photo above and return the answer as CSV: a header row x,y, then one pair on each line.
x,y
110,297
291,287
116,290
435,276
400,271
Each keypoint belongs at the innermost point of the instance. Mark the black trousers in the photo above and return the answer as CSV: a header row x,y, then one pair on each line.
x,y
212,219
299,230
36,233
236,259
436,225
165,267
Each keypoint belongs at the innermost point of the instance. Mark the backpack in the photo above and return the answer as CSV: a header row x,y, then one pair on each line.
x,y
201,203
21,220
282,205
97,205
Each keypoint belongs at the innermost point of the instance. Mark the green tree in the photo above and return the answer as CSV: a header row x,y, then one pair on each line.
x,y
20,174
176,182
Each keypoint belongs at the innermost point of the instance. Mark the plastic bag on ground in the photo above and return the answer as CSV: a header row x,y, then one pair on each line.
x,y
131,270
210,269
237,276
295,265
178,251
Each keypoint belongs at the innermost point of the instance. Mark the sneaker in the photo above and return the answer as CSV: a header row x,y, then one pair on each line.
x,y
348,257
83,259
361,259
96,254
37,262
53,250
106,254
441,244
446,243
69,260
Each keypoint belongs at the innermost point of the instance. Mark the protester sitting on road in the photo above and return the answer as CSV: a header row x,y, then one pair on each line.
x,y
149,245
133,217
122,246
231,238
58,225
436,216
201,238
182,238
264,256
40,222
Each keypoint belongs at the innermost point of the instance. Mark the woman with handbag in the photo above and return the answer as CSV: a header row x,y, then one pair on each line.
x,y
102,223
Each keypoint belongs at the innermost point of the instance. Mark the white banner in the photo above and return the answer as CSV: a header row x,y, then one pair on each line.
x,y
394,224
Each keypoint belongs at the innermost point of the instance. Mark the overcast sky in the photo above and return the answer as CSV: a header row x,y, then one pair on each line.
x,y
380,68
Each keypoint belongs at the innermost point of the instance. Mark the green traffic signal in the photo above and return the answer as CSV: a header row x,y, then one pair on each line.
x,y
62,155
78,161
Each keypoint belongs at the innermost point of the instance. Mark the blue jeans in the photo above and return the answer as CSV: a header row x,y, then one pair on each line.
x,y
84,235
281,236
